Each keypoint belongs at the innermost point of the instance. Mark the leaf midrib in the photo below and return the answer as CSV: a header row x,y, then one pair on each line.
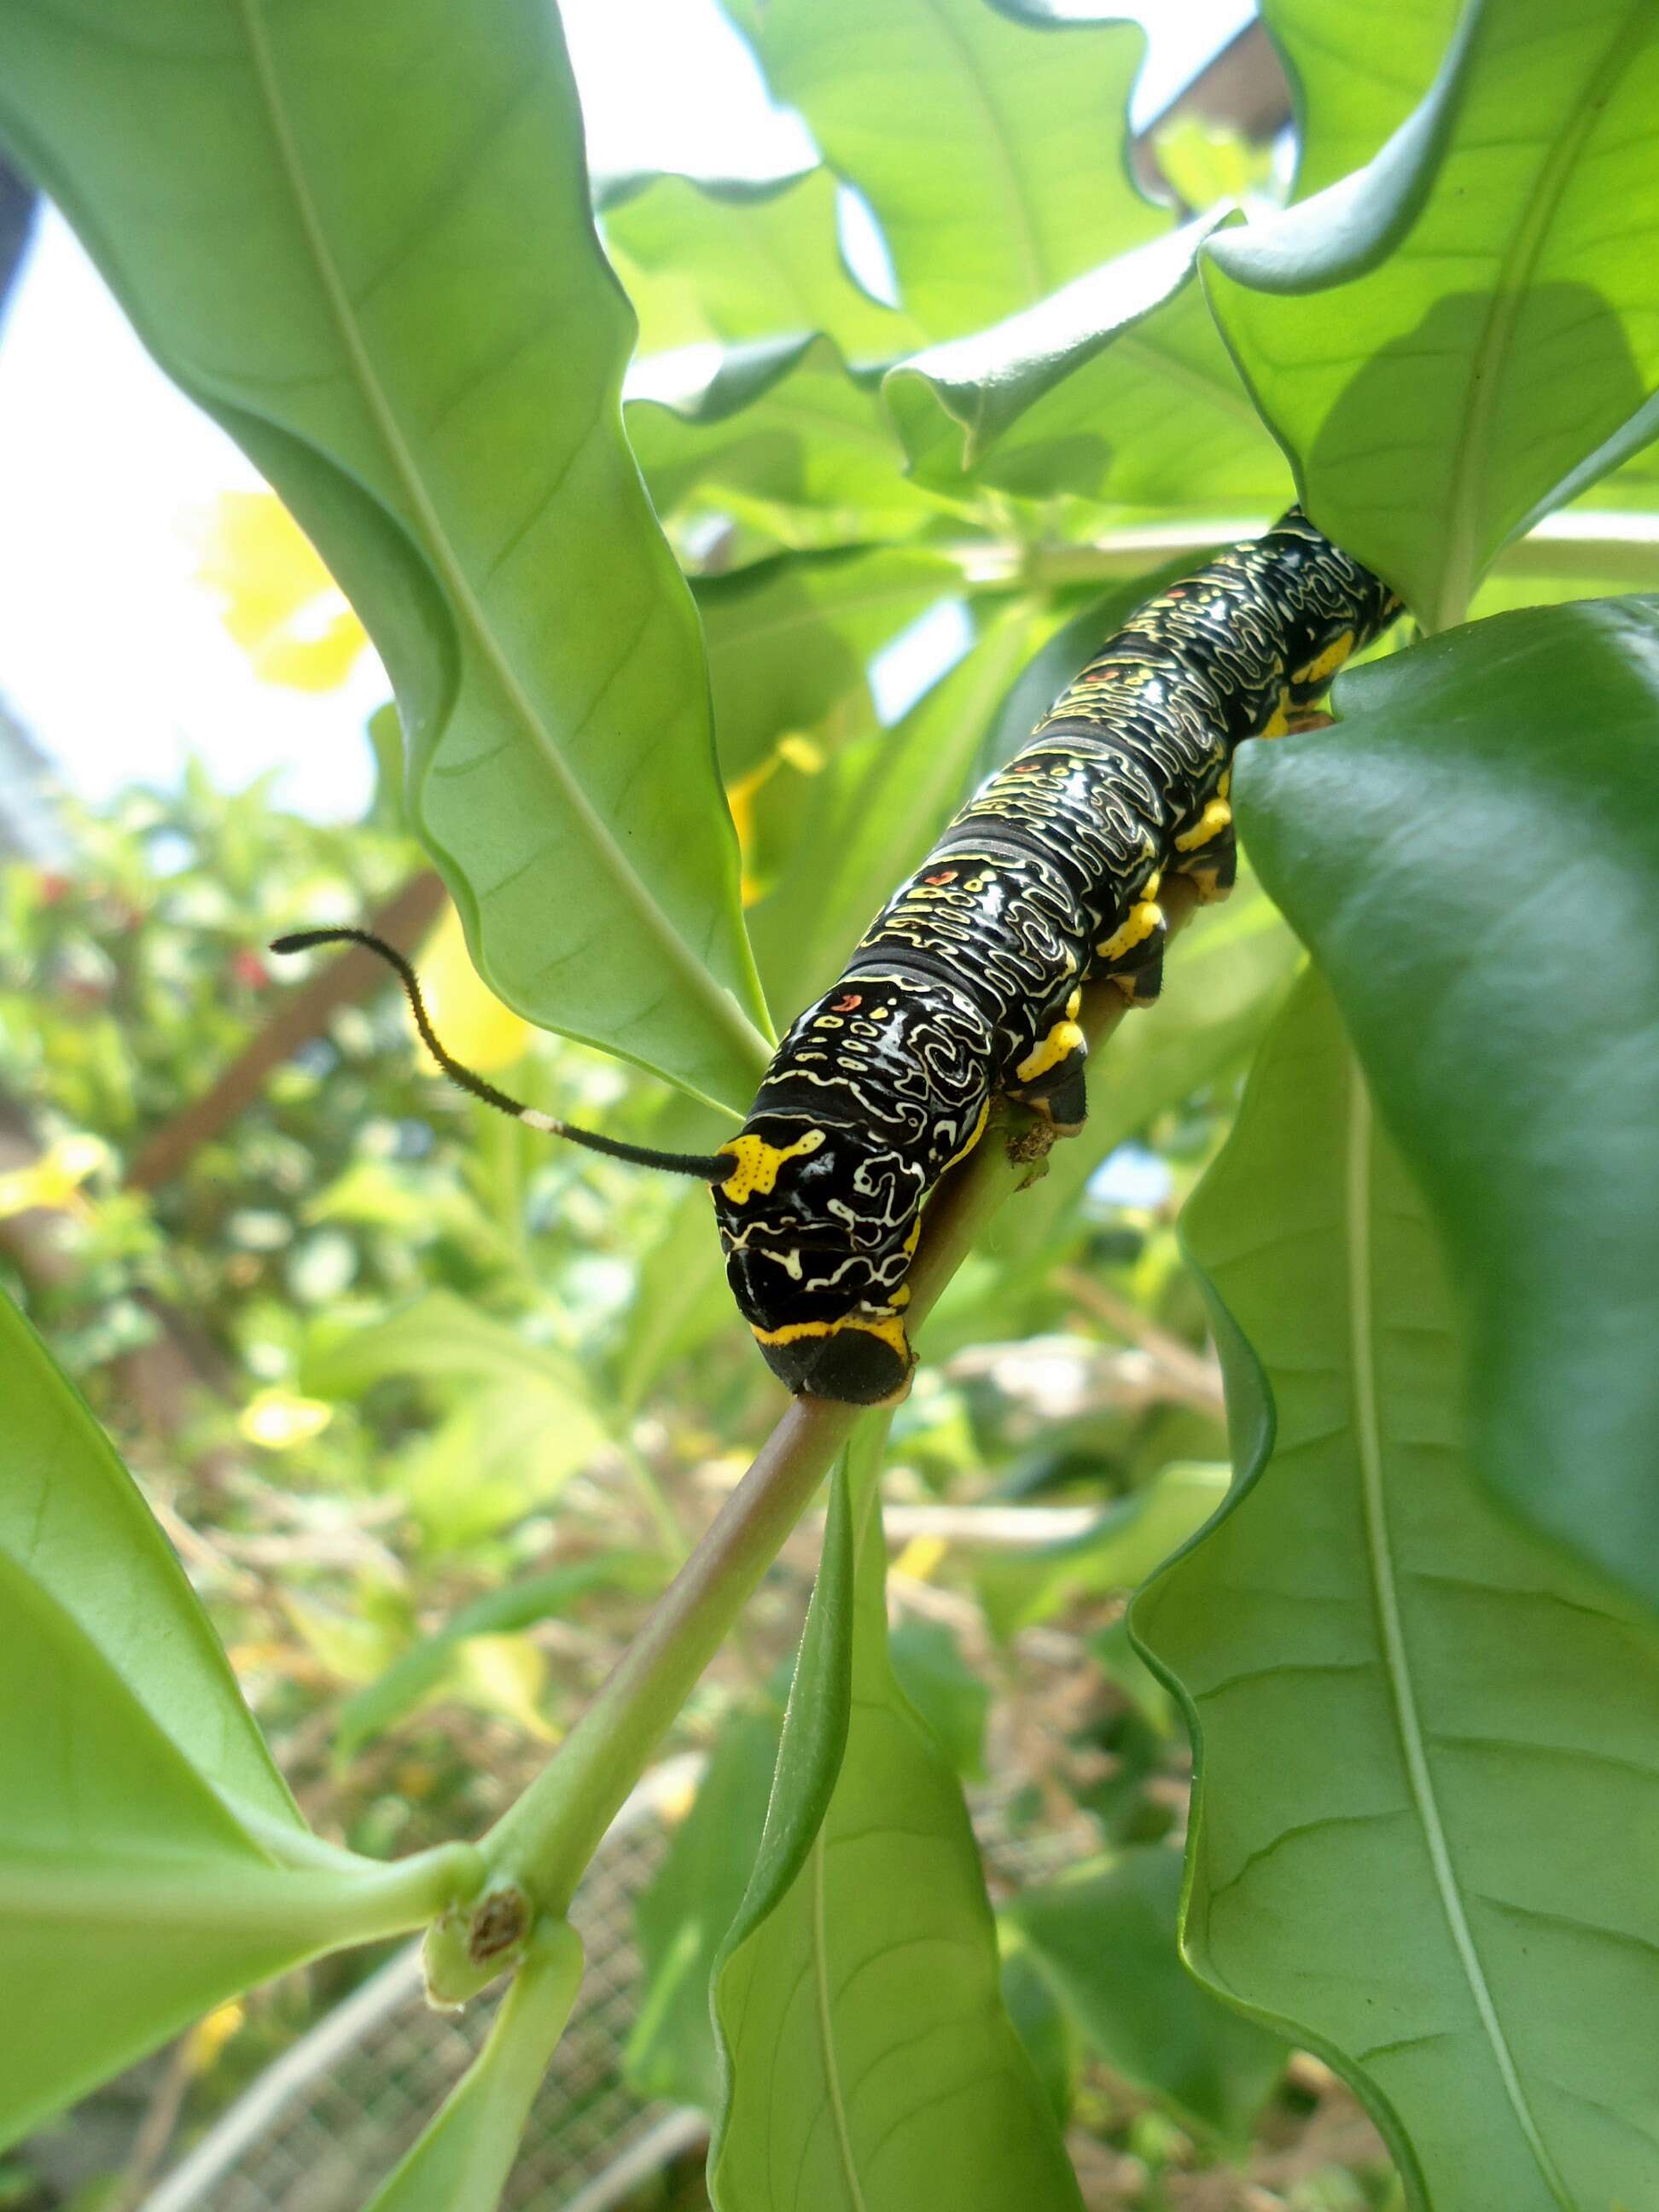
x,y
1368,1443
1508,294
728,1014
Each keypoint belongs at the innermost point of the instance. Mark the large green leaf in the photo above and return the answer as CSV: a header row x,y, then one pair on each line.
x,y
151,1862
1422,1840
870,2062
1356,73
777,435
990,149
462,2160
1459,338
1474,856
1107,1944
1119,391
707,259
362,239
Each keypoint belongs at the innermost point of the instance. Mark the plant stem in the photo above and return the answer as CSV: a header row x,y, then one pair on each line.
x,y
541,1846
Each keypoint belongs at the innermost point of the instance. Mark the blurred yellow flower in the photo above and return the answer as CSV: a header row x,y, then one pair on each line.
x,y
210,2036
277,1420
275,598
466,1012
54,1180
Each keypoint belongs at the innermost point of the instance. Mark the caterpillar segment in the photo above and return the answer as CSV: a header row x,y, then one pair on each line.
x,y
968,985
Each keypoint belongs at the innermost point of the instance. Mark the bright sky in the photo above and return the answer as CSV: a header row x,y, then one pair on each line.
x,y
109,650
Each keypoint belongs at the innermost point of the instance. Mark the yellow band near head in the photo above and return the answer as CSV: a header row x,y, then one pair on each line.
x,y
757,1163
888,1326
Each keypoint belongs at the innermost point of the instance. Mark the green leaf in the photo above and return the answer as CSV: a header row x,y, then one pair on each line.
x,y
1119,391
463,2159
363,243
1509,1033
380,1705
1107,1945
737,258
991,150
947,1693
73,1521
869,2060
1422,1841
684,1913
778,436
1457,340
151,1862
1223,978
790,639
1354,81
1127,1541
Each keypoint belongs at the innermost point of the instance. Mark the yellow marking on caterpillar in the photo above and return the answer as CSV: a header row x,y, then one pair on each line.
x,y
901,1297
757,1163
1216,817
1324,666
1279,723
914,1238
1062,1042
1140,924
887,1327
960,1153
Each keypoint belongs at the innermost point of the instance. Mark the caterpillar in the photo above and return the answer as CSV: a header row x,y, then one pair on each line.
x,y
967,987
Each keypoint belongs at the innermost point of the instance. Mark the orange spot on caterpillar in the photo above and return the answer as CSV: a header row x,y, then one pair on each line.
x,y
846,1003
944,876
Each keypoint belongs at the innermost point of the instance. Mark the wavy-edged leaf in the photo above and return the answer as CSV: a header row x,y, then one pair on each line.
x,y
151,1862
777,436
1106,1943
1473,856
1356,73
363,241
991,150
735,259
462,2160
1423,1836
870,2062
1144,412
1459,338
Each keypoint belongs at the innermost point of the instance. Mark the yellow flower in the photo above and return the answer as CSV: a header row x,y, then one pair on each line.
x,y
277,1420
54,1180
275,598
466,1012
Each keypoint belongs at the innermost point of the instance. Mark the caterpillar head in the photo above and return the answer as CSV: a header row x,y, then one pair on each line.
x,y
817,1222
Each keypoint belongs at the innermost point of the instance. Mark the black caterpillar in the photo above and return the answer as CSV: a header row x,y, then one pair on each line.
x,y
967,986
